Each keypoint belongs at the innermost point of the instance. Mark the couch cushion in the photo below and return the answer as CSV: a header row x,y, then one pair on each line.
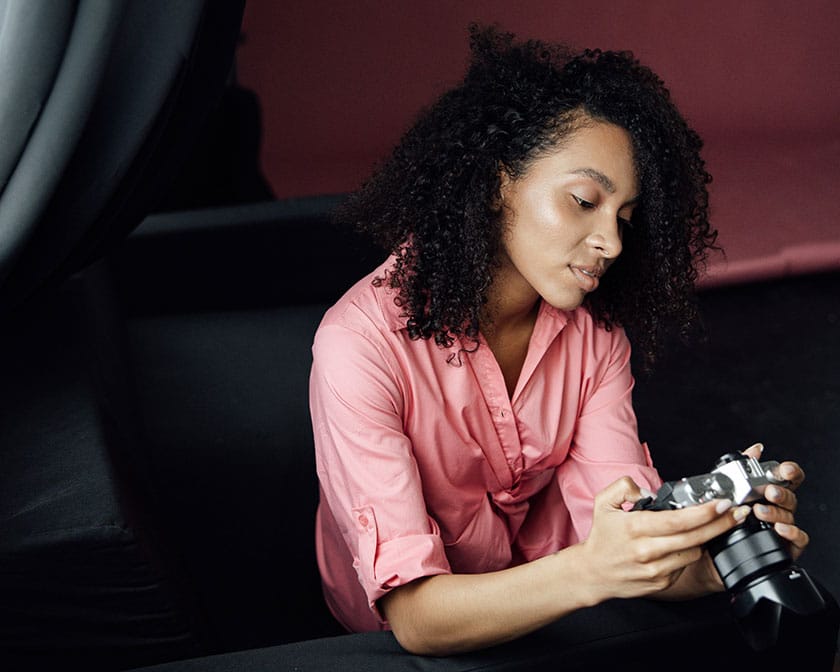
x,y
80,567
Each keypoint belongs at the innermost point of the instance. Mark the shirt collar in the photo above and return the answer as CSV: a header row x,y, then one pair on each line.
x,y
394,315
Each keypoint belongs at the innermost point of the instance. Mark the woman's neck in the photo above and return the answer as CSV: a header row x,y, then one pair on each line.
x,y
507,330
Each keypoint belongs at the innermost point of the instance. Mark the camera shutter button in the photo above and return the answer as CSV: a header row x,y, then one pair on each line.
x,y
727,458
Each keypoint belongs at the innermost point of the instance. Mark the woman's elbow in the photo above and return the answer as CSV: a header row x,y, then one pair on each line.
x,y
412,631
417,644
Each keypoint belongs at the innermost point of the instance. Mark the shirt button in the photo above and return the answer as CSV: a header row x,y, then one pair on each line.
x,y
363,520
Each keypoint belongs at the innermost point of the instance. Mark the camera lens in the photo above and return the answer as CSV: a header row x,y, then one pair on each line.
x,y
762,580
750,549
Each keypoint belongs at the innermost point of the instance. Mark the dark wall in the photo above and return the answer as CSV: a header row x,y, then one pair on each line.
x,y
340,81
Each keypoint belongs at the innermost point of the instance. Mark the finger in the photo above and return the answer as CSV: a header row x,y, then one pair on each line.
x,y
797,537
754,450
655,548
791,472
773,514
679,560
670,564
693,518
618,493
781,497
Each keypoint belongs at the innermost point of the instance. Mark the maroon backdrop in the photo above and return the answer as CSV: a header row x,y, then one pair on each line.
x,y
760,80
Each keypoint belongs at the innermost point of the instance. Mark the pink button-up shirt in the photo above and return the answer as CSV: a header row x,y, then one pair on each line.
x,y
426,466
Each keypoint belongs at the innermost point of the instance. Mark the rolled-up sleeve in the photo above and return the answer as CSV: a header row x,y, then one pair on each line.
x,y
605,445
368,474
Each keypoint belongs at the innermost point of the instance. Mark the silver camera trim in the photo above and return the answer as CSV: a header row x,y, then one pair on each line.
x,y
741,481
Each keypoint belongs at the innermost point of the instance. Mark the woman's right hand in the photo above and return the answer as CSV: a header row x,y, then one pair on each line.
x,y
627,554
640,553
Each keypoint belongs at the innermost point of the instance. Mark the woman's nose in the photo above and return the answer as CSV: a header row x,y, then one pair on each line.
x,y
606,240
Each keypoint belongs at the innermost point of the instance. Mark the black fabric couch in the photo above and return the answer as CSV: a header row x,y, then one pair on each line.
x,y
159,398
84,575
218,342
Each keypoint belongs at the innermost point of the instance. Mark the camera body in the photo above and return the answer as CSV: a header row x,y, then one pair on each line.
x,y
753,561
736,477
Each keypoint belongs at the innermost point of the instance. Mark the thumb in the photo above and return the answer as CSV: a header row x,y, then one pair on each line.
x,y
754,450
620,493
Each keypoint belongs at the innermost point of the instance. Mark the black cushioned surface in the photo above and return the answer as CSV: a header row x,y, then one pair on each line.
x,y
627,635
80,569
231,446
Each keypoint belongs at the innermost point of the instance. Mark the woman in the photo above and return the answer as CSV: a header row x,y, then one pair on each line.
x,y
471,398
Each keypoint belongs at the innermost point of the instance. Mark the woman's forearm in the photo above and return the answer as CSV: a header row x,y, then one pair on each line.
x,y
454,613
633,554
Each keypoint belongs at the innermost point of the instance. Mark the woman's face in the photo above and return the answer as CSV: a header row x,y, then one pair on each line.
x,y
564,218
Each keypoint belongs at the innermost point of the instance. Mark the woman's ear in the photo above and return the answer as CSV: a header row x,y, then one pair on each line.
x,y
505,181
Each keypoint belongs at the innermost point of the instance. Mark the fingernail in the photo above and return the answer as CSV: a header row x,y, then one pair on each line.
x,y
772,492
783,528
787,471
762,509
758,446
723,505
741,512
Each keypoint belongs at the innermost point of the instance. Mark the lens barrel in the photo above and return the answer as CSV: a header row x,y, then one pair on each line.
x,y
750,549
762,580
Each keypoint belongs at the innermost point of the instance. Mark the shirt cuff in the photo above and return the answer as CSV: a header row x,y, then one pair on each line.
x,y
385,565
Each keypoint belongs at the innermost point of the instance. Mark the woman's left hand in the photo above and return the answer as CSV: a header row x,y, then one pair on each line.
x,y
781,503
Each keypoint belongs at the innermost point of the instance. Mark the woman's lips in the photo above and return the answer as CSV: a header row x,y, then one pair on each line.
x,y
587,277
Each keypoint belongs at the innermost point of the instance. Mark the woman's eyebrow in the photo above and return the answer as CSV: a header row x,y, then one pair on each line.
x,y
601,179
598,176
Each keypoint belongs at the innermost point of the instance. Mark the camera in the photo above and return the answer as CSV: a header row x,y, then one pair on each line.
x,y
753,561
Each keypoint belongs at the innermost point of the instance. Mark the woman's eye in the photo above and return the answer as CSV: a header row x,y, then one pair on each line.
x,y
586,205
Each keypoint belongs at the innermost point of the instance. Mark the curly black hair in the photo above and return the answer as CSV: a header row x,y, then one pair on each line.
x,y
434,201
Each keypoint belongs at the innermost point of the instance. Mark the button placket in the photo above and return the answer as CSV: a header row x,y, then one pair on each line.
x,y
494,391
